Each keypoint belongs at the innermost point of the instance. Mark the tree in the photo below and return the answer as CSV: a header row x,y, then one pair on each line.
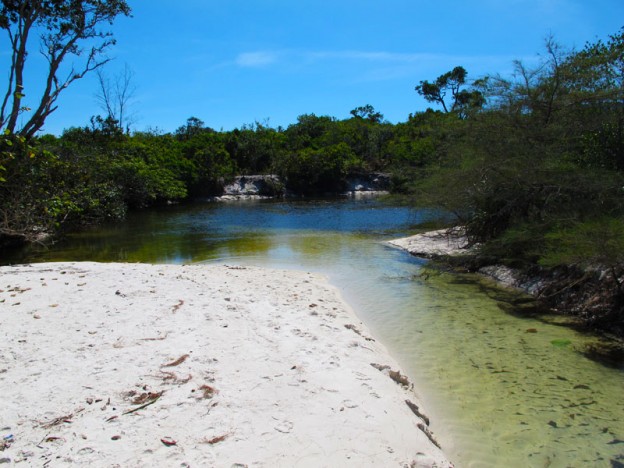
x,y
254,146
540,91
193,127
115,97
544,157
308,130
451,81
367,112
63,27
312,170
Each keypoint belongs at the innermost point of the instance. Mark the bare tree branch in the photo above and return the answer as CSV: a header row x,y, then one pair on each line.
x,y
115,98
63,25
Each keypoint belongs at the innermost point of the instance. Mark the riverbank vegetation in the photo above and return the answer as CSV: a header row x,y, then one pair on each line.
x,y
532,165
536,177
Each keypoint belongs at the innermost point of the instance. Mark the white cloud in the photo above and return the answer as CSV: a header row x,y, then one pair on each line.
x,y
263,58
256,59
366,65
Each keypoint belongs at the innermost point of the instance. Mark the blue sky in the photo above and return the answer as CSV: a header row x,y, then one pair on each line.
x,y
234,62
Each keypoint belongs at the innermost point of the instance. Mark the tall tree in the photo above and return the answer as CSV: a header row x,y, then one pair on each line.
x,y
115,96
65,28
452,81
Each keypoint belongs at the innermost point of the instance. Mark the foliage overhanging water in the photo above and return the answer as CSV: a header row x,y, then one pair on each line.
x,y
503,390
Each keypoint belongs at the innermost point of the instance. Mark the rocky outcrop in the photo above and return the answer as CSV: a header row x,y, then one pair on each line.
x,y
249,187
252,187
435,244
368,183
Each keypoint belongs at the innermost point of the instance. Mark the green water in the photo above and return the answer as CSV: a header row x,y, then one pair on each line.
x,y
501,390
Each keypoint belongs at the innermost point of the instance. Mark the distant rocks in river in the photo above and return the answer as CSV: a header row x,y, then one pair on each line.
x,y
253,187
375,182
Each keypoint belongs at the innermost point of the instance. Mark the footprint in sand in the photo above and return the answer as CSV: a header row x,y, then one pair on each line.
x,y
284,427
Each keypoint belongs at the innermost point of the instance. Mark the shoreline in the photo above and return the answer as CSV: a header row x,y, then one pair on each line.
x,y
136,364
446,243
566,291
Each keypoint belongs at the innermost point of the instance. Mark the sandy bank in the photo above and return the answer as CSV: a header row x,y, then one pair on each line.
x,y
432,244
144,365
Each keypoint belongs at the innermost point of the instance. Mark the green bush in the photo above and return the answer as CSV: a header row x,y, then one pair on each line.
x,y
317,170
597,243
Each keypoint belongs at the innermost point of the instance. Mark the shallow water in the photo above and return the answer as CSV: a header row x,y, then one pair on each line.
x,y
502,390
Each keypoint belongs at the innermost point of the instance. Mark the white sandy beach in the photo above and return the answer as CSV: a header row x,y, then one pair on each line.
x,y
160,365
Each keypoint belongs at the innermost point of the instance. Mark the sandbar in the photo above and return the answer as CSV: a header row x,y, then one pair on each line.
x,y
197,365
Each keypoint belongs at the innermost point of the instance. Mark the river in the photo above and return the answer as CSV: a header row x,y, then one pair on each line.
x,y
501,389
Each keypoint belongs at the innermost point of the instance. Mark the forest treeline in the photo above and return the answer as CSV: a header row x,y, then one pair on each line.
x,y
532,165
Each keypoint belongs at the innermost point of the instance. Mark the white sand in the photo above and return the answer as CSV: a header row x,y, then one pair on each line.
x,y
263,371
443,242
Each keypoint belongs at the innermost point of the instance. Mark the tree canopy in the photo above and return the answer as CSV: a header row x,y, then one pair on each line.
x,y
65,28
452,81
